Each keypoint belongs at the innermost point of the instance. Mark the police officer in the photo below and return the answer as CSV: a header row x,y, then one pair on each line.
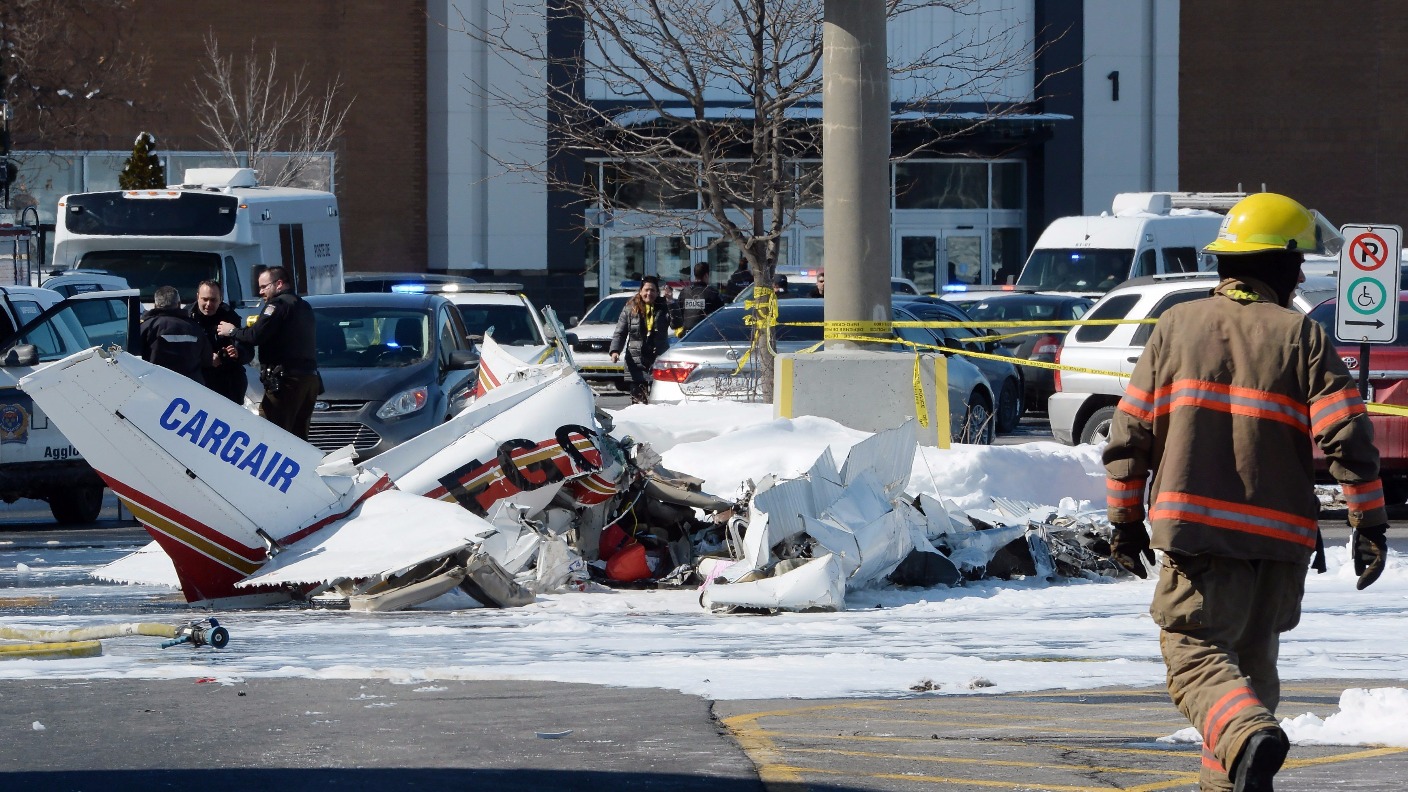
x,y
696,301
224,373
284,335
170,339
1221,412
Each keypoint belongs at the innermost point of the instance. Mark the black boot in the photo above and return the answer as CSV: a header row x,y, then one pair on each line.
x,y
1260,759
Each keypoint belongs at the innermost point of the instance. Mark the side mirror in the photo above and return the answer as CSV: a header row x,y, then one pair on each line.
x,y
22,355
463,359
573,321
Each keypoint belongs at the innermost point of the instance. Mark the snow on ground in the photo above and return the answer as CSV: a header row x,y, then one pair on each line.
x,y
990,636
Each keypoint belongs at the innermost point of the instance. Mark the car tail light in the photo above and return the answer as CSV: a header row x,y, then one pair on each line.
x,y
1056,373
1046,347
672,370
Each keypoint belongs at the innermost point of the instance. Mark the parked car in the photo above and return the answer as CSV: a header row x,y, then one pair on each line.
x,y
393,366
1388,384
1035,343
591,350
1083,405
701,366
406,282
82,281
37,327
512,319
1006,379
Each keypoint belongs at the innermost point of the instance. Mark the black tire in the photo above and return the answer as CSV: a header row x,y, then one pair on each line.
x,y
1009,407
1395,490
978,423
78,507
1097,426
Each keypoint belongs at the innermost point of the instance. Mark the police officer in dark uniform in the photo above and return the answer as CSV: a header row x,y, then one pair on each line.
x,y
284,335
170,339
696,301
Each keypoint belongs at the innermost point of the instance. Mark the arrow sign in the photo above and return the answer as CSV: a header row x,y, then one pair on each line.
x,y
1376,323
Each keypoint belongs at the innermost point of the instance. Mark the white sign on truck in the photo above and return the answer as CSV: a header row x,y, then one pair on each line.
x,y
1368,283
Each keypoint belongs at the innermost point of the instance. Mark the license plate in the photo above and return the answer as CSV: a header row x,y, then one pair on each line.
x,y
724,385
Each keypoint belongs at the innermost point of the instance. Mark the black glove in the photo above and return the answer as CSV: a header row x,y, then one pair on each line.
x,y
1370,550
1127,542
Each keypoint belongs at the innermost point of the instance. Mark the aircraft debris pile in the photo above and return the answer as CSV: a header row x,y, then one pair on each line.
x,y
808,540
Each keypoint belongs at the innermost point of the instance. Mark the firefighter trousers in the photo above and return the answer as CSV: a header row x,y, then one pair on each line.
x,y
1221,621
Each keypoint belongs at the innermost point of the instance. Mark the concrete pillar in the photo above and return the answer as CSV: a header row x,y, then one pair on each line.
x,y
855,163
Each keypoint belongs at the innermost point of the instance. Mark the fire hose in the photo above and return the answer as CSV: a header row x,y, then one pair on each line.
x,y
87,641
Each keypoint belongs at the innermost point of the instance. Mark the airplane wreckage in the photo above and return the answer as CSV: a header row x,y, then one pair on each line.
x,y
522,493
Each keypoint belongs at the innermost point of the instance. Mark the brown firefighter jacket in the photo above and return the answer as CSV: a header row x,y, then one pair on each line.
x,y
1222,407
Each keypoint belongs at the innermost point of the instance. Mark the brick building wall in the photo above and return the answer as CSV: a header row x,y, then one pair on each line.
x,y
1303,96
378,49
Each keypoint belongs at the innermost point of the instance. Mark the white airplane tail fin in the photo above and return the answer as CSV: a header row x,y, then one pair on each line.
x,y
215,484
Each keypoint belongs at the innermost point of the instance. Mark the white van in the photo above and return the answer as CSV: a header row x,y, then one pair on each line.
x,y
217,225
1144,234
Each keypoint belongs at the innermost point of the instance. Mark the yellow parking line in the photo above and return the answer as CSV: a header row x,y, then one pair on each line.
x,y
976,782
930,740
989,762
756,744
1175,722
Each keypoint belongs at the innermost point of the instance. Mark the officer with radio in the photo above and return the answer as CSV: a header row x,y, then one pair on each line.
x,y
284,335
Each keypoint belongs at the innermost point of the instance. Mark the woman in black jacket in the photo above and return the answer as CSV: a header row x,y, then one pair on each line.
x,y
642,333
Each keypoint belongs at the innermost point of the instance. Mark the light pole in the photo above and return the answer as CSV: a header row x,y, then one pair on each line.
x,y
855,163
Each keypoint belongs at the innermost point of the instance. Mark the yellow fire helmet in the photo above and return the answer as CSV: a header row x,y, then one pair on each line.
x,y
1268,221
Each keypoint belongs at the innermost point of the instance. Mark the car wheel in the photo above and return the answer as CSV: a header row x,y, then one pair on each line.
x,y
977,421
1097,426
1009,407
82,505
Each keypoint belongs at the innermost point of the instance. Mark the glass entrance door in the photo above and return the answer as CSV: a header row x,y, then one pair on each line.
x,y
937,259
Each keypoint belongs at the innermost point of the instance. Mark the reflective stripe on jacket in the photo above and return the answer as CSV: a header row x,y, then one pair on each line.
x,y
1222,408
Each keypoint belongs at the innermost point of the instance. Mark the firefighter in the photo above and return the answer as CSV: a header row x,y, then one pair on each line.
x,y
1221,409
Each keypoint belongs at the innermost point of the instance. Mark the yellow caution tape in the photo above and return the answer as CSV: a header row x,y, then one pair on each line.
x,y
920,406
835,331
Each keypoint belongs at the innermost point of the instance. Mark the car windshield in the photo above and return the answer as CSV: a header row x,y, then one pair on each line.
x,y
1324,314
1014,310
607,311
726,325
369,337
1055,269
149,270
511,324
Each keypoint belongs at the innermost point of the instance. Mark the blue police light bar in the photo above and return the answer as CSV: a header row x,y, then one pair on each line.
x,y
955,287
408,288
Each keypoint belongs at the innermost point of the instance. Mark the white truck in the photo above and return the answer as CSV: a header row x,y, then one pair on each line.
x,y
1143,234
218,224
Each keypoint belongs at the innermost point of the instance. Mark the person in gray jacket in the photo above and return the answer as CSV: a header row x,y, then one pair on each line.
x,y
642,333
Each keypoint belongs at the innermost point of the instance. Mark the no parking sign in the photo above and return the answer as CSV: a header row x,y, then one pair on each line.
x,y
1368,284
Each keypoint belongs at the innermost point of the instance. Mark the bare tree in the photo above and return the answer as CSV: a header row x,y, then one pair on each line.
x,y
671,62
63,61
282,127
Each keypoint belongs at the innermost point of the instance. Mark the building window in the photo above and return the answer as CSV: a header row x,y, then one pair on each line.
x,y
941,185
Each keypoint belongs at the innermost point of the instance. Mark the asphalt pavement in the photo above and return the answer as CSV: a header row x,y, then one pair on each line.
x,y
270,734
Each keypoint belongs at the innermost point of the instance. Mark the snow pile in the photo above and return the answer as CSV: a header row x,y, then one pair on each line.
x,y
1367,716
726,444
